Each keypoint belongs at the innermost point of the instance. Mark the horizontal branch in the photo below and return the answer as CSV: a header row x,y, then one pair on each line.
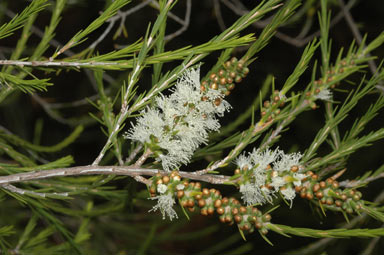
x,y
14,189
106,170
61,63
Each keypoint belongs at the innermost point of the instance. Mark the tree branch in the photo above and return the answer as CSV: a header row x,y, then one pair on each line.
x,y
107,170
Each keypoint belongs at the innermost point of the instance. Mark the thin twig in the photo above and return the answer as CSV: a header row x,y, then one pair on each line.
x,y
329,169
185,23
48,63
105,170
119,16
221,163
56,44
103,35
143,158
49,111
219,17
140,162
285,122
14,189
133,154
170,14
130,11
354,183
359,39
371,246
75,103
297,41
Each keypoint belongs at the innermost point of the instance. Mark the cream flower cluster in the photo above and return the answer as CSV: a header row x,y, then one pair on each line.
x,y
165,202
268,172
179,123
324,94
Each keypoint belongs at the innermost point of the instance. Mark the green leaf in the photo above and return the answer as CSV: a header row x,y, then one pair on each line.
x,y
18,21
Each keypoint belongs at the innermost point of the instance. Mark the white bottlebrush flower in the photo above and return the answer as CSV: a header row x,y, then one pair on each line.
x,y
165,205
243,162
260,161
260,177
180,186
149,124
289,194
282,96
251,194
162,188
298,177
264,158
324,94
286,161
254,190
267,193
180,122
278,182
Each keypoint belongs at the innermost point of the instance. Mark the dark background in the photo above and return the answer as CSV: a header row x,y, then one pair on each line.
x,y
123,231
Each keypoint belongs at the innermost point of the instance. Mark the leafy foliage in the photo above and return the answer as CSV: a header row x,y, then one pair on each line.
x,y
67,187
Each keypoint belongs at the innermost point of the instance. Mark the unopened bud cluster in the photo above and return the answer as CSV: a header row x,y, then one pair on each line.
x,y
166,189
271,108
208,201
321,87
329,194
232,71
